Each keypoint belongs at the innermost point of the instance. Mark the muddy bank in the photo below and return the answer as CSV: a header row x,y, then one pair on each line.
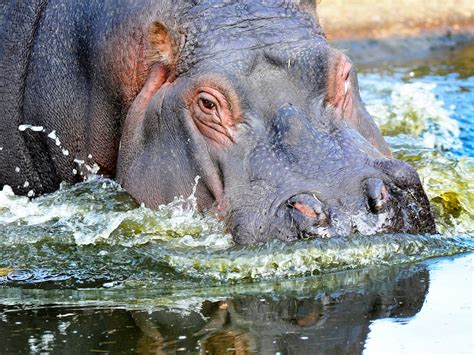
x,y
349,19
397,31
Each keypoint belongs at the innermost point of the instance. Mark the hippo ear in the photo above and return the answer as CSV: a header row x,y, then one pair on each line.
x,y
164,45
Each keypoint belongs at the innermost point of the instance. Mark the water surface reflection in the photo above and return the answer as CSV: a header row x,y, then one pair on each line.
x,y
327,314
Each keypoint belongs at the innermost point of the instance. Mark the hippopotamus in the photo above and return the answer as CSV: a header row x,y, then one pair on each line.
x,y
246,95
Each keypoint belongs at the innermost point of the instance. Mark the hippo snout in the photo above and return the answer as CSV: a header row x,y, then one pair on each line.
x,y
387,203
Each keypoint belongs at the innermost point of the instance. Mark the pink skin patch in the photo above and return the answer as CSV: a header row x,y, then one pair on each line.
x,y
343,96
340,88
214,111
305,210
157,78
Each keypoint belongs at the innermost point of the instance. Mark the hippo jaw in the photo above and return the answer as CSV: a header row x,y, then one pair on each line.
x,y
276,130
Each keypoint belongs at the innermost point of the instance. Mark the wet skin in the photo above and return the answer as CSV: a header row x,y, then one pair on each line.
x,y
247,95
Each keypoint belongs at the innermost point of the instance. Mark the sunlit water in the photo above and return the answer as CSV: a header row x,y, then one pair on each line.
x,y
91,245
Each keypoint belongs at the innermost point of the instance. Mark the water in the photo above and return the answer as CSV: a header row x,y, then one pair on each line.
x,y
86,268
381,308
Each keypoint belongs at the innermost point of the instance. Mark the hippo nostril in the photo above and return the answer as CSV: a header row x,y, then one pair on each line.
x,y
307,210
377,195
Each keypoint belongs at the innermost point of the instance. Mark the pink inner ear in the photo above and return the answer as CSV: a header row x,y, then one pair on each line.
x,y
340,91
342,94
156,79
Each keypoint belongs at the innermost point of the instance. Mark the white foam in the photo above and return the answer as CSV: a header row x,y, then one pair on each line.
x,y
21,209
212,241
54,137
414,107
24,127
83,236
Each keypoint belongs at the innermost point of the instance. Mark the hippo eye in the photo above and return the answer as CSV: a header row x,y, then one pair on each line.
x,y
212,114
207,103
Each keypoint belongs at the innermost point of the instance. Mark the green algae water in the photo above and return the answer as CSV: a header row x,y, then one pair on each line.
x,y
86,268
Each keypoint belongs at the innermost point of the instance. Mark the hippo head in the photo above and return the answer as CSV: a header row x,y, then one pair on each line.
x,y
249,96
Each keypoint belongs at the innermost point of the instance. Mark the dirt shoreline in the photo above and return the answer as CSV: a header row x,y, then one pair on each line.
x,y
356,19
384,31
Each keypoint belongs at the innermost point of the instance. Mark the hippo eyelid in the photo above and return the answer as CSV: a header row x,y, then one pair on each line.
x,y
204,98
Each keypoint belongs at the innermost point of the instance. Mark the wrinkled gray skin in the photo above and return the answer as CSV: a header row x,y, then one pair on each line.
x,y
296,168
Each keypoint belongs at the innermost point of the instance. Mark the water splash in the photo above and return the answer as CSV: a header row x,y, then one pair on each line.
x,y
449,184
279,260
412,109
108,240
421,131
20,210
93,235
